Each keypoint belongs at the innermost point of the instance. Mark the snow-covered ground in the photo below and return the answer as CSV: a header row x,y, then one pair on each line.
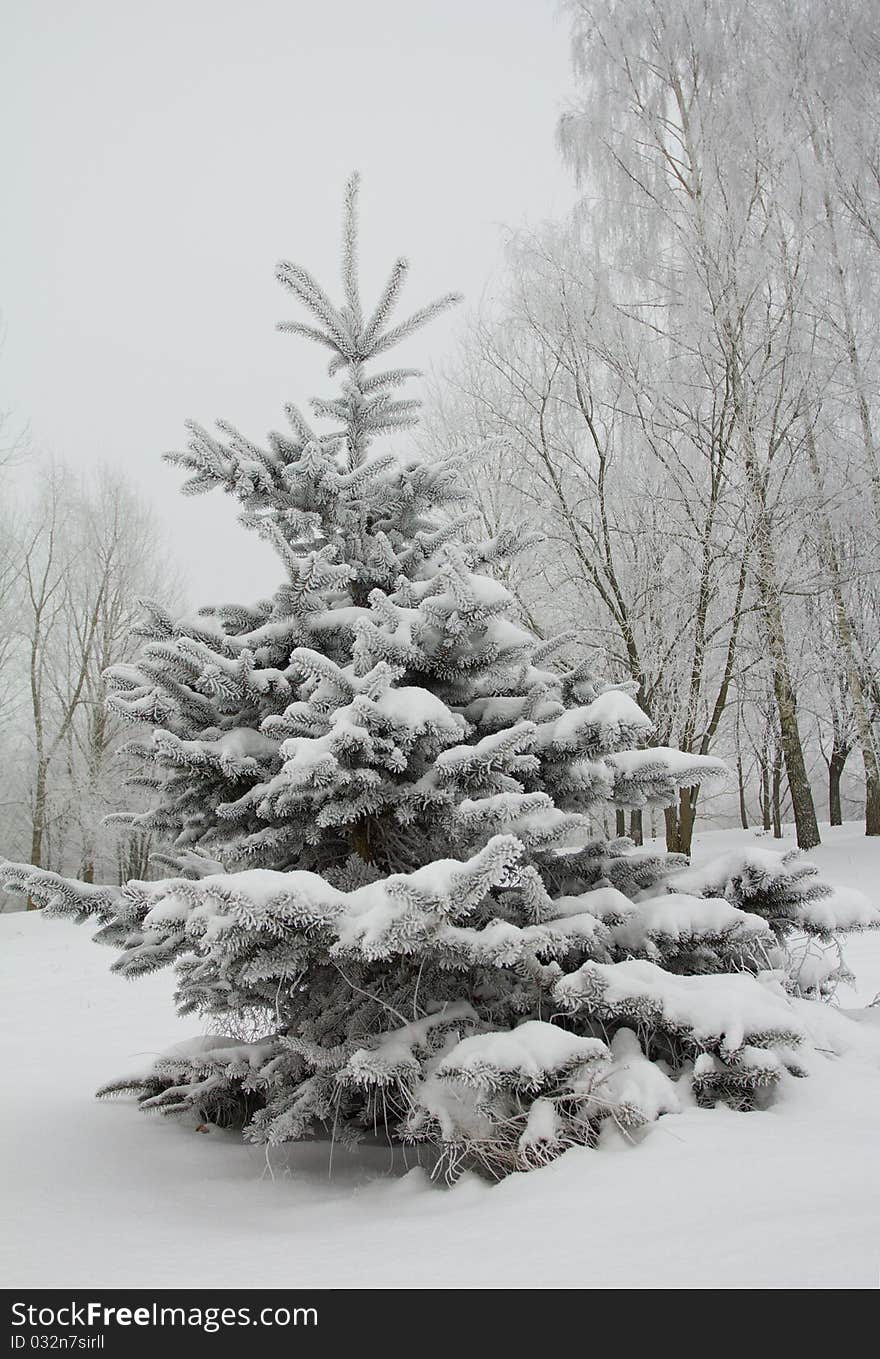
x,y
97,1194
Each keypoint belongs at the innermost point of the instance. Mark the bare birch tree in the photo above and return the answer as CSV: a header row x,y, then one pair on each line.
x,y
84,553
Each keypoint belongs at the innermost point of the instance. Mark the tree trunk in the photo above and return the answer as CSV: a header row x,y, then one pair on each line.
x,y
769,598
765,796
680,821
872,794
670,817
743,810
803,809
848,648
635,827
620,821
835,770
99,742
38,824
777,796
687,808
362,839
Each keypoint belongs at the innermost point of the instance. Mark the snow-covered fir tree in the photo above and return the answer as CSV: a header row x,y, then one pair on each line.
x,y
383,800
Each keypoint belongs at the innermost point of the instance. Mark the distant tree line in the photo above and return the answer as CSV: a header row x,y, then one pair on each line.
x,y
77,553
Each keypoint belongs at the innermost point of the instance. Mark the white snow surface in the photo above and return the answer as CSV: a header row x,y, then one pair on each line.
x,y
535,1051
650,760
607,714
97,1194
844,908
725,1008
680,916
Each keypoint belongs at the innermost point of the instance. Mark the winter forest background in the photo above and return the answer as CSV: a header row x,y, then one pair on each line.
x,y
674,380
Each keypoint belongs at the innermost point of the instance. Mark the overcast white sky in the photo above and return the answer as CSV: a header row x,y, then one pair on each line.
x,y
157,159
